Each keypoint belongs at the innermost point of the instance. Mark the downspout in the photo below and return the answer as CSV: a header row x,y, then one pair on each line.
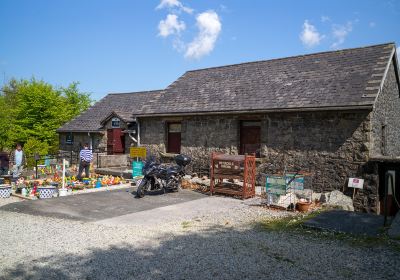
x,y
137,141
91,141
138,132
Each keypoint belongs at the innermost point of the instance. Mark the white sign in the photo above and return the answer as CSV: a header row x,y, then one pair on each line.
x,y
356,183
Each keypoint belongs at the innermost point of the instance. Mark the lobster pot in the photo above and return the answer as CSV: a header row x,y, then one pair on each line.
x,y
46,192
5,191
137,168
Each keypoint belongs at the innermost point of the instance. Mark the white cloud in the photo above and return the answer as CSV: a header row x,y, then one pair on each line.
x,y
325,18
171,25
372,24
340,32
209,26
174,4
310,36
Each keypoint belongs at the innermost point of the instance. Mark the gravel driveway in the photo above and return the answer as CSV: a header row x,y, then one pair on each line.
x,y
215,245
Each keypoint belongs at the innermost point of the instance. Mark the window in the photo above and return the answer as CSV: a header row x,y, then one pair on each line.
x,y
115,122
69,139
174,138
383,140
250,134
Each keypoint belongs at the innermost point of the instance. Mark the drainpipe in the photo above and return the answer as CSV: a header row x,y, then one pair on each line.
x,y
137,141
133,138
138,132
91,141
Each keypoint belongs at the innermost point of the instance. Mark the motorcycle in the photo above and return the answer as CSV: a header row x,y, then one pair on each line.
x,y
160,177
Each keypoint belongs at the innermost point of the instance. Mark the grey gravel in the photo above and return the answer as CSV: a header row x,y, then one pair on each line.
x,y
224,245
11,199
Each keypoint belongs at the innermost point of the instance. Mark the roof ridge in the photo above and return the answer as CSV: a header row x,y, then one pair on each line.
x,y
135,92
288,57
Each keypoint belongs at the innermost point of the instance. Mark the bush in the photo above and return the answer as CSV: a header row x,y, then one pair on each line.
x,y
34,146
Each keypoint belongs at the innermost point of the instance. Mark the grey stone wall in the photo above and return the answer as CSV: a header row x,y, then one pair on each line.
x,y
203,135
332,146
120,161
152,135
387,112
99,141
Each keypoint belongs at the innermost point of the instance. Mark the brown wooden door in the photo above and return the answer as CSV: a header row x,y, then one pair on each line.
x,y
110,142
114,141
250,135
174,138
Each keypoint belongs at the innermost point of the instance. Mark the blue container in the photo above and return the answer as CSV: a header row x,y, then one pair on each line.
x,y
137,167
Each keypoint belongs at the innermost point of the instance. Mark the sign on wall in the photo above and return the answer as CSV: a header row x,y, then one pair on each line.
x,y
69,139
356,183
115,122
138,152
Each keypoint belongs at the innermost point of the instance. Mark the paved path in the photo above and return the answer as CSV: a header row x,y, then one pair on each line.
x,y
394,230
348,222
100,205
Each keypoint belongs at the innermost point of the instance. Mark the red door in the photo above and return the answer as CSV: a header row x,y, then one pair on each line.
x,y
250,132
174,138
114,141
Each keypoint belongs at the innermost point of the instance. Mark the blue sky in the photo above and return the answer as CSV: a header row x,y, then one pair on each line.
x,y
122,46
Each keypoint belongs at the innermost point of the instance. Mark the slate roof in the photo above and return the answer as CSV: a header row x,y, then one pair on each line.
x,y
125,116
123,104
343,78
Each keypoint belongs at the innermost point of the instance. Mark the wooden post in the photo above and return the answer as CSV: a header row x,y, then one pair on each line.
x,y
63,174
212,174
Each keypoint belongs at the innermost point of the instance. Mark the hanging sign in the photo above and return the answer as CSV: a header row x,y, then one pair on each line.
x,y
356,183
136,152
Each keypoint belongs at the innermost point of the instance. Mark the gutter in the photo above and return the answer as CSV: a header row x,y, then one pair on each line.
x,y
80,131
310,109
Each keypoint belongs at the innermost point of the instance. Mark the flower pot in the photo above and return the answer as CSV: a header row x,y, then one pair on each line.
x,y
46,192
303,206
5,191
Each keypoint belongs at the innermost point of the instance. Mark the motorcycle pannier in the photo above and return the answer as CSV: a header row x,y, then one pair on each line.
x,y
182,160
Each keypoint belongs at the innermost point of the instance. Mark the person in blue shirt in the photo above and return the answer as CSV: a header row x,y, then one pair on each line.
x,y
17,161
86,158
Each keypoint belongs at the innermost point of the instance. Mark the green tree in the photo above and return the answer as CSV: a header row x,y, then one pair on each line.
x,y
35,146
34,109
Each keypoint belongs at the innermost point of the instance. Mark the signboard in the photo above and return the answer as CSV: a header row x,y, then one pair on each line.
x,y
115,122
69,139
279,185
276,185
356,183
138,152
297,183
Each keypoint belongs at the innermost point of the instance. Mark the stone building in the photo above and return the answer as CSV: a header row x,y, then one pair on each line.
x,y
108,127
332,114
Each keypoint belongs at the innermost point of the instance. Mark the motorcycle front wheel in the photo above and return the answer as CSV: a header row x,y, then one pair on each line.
x,y
141,190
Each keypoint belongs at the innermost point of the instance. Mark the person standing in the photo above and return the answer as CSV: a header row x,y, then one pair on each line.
x,y
86,158
17,161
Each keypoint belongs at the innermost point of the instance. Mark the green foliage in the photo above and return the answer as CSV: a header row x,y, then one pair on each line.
x,y
33,110
35,146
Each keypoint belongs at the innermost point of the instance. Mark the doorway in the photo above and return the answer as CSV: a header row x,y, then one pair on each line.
x,y
250,137
115,141
393,191
174,138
